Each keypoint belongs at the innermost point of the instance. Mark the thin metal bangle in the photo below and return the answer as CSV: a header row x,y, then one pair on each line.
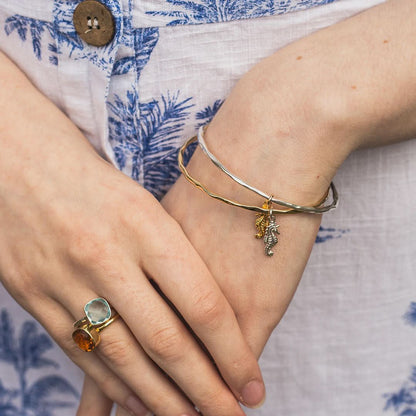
x,y
315,209
295,209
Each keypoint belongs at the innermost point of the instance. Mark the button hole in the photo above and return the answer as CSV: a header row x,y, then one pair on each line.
x,y
89,23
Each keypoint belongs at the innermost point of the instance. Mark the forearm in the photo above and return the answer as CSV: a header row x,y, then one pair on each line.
x,y
22,106
34,133
293,119
359,73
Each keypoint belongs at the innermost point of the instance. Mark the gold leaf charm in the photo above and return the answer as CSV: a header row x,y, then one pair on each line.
x,y
262,221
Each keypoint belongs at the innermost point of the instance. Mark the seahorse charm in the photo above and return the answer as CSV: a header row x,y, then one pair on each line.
x,y
270,235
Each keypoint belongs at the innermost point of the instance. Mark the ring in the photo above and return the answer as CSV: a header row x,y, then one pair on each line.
x,y
98,315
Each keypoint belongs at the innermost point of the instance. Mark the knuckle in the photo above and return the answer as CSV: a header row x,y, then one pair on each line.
x,y
87,246
143,221
209,310
166,343
116,351
94,250
22,287
24,278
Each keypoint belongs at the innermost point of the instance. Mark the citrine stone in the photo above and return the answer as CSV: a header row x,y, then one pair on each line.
x,y
84,340
97,311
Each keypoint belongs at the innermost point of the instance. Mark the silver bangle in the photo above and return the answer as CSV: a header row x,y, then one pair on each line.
x,y
317,209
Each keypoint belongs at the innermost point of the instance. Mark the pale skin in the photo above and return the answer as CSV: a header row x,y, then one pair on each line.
x,y
298,114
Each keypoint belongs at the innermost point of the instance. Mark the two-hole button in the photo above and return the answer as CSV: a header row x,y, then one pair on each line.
x,y
94,22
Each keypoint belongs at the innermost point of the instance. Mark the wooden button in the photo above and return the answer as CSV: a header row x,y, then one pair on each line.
x,y
94,22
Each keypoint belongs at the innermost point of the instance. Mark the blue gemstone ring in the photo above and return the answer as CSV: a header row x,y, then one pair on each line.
x,y
97,311
98,315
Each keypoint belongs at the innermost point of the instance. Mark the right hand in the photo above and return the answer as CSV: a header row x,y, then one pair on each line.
x,y
73,229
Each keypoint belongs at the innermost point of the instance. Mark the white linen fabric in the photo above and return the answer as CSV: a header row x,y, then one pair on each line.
x,y
346,346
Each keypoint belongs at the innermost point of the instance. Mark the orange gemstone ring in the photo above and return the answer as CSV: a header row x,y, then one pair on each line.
x,y
98,315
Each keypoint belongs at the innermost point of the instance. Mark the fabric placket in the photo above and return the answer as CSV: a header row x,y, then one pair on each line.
x,y
84,72
125,146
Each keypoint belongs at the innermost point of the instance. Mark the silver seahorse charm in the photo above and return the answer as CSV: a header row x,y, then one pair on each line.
x,y
270,235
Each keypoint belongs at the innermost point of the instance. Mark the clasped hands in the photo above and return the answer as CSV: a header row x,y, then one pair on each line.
x,y
74,228
220,281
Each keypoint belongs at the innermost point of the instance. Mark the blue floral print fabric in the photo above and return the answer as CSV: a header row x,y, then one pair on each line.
x,y
343,347
403,401
179,12
25,352
142,134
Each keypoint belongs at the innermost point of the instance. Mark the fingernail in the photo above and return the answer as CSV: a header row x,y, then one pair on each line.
x,y
253,394
136,406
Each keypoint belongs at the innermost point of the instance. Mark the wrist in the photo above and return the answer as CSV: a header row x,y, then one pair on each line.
x,y
283,153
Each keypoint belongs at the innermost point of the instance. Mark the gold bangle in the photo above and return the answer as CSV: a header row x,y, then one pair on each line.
x,y
314,209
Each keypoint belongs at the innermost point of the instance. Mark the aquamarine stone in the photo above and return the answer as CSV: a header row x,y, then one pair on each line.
x,y
97,311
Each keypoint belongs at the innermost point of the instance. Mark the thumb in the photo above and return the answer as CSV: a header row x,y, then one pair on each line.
x,y
93,401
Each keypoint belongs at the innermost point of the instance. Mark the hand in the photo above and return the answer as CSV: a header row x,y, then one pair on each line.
x,y
74,228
